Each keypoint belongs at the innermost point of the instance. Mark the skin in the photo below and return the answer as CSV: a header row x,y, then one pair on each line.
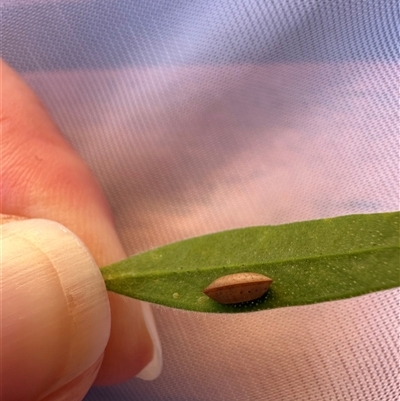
x,y
43,177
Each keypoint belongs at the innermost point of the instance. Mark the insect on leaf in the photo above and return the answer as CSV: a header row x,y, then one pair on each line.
x,y
238,287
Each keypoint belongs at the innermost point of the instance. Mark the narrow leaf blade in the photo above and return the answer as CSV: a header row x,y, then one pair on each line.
x,y
310,262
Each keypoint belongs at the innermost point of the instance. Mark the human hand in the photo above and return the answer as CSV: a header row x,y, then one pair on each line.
x,y
58,335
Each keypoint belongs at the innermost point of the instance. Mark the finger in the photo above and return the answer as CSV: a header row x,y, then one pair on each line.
x,y
55,310
43,177
76,389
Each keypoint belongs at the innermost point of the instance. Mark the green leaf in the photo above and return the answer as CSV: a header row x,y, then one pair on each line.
x,y
310,262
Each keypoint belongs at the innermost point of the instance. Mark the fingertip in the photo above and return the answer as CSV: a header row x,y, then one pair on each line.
x,y
130,347
153,369
56,317
44,177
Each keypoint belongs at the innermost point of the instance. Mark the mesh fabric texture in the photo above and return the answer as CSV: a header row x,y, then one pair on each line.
x,y
202,116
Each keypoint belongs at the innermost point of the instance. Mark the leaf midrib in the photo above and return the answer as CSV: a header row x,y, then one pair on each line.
x,y
158,273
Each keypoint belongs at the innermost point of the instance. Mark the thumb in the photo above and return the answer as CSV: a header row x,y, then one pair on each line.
x,y
55,311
